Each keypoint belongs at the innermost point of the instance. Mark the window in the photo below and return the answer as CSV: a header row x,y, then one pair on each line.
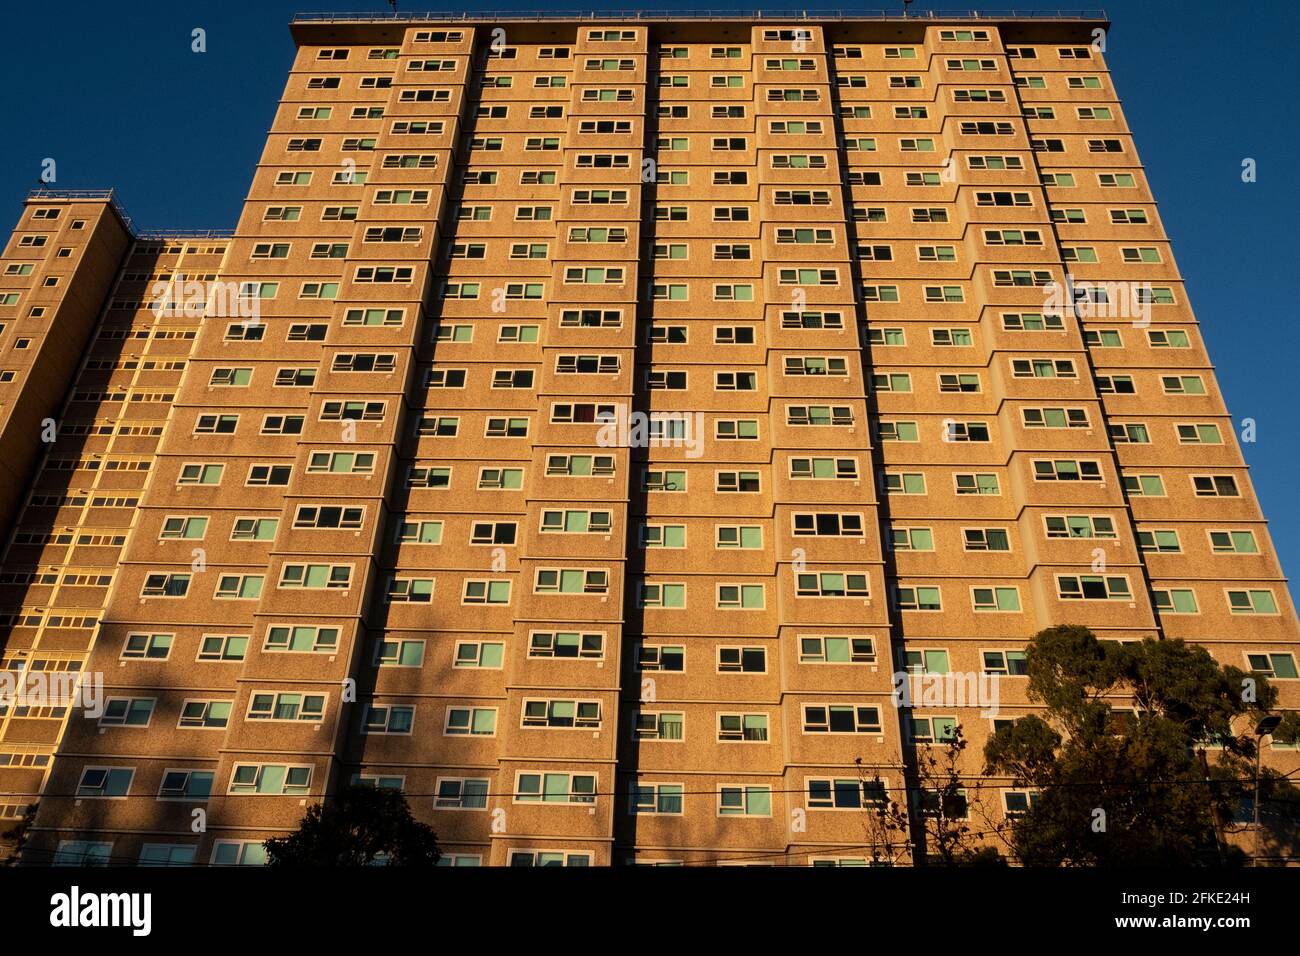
x,y
571,581
403,653
127,712
663,536
1079,526
959,382
1252,602
897,431
580,465
824,468
995,599
912,539
985,539
1055,417
829,524
664,481
410,590
566,644
239,587
1174,600
1042,368
748,801
742,596
740,482
286,707
892,382
841,719
555,788
1145,486
659,798
1233,542
832,584
659,657
742,729
1093,588
1067,470
497,479
232,853
420,532
458,793
903,483
165,585
1273,666
471,721
105,782
340,463
1172,384
1006,663
548,858
302,640
930,730
270,779
186,785
1159,542
1200,434
1031,322
147,646
1133,433
663,595
223,647
561,713
184,528
204,714
846,794
316,576
819,415
1215,486
836,650
486,592
737,536
917,599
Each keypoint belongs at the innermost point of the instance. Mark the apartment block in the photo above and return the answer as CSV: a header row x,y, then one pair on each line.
x,y
583,424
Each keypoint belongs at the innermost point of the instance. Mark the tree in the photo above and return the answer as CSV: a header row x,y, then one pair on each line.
x,y
361,826
938,823
16,836
1119,757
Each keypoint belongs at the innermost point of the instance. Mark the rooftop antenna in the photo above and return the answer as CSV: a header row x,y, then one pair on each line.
x,y
906,4
393,4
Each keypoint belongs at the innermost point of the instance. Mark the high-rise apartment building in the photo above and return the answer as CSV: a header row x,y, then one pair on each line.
x,y
583,424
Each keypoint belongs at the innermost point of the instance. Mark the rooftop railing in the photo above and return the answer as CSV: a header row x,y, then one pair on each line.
x,y
452,16
43,194
147,235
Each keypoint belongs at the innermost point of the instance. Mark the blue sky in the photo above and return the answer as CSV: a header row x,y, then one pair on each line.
x,y
113,93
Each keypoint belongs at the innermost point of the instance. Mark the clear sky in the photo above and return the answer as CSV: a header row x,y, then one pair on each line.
x,y
113,93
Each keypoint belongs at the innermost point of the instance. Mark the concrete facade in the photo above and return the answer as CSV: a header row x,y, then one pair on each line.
x,y
380,530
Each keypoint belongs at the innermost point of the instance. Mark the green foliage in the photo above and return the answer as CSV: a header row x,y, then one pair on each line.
x,y
1133,786
361,826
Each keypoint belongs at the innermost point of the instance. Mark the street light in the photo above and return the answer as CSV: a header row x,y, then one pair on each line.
x,y
1264,728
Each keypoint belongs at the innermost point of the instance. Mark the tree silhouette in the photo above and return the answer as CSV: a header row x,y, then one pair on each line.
x,y
1119,756
361,826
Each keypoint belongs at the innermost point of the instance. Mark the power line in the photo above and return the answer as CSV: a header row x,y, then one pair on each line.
x,y
987,783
